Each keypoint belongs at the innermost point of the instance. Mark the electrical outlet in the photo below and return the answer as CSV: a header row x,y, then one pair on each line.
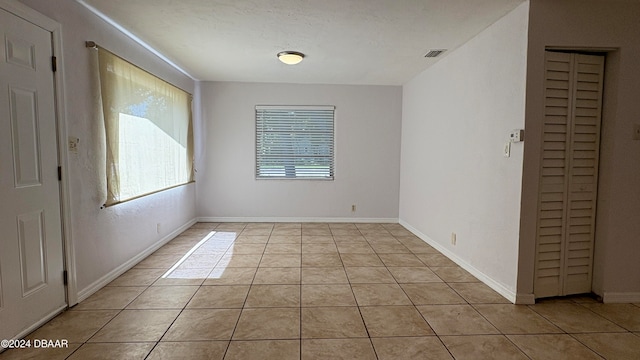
x,y
507,149
353,208
158,228
453,238
636,132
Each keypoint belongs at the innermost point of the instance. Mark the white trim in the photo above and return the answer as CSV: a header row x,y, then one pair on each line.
x,y
525,299
112,275
29,14
133,37
298,219
63,156
620,297
54,27
498,287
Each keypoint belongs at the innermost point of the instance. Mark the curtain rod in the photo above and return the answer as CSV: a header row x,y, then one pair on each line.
x,y
92,45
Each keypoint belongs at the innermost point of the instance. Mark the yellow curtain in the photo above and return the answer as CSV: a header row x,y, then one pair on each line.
x,y
148,128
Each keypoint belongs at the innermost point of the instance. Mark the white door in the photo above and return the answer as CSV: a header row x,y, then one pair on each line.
x,y
569,174
31,256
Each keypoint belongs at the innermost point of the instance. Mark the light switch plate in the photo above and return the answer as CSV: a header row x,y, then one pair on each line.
x,y
507,149
73,144
516,135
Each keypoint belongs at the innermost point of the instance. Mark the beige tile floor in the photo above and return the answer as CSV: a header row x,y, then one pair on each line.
x,y
323,291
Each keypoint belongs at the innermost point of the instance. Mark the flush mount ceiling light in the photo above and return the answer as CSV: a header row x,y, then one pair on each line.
x,y
290,57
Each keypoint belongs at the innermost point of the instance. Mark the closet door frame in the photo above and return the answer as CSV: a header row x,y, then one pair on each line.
x,y
564,257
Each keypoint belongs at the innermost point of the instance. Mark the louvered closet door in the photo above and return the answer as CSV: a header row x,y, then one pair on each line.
x,y
569,174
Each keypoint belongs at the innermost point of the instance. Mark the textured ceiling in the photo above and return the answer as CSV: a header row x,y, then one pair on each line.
x,y
379,42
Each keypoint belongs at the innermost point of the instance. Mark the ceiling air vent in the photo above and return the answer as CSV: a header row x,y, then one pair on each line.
x,y
434,53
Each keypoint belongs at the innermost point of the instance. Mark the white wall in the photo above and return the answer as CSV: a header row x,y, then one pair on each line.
x,y
367,154
457,115
579,24
105,241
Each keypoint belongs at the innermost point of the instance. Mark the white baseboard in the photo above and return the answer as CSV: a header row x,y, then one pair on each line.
x,y
499,288
620,297
525,299
103,281
298,220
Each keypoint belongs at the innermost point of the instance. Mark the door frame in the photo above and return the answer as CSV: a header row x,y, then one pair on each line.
x,y
18,9
606,52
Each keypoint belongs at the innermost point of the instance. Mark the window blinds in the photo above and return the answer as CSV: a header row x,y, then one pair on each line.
x,y
295,142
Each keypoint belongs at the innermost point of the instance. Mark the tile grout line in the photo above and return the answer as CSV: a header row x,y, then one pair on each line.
x,y
300,302
565,332
587,345
422,315
183,308
473,305
235,327
120,311
216,264
500,331
366,328
582,305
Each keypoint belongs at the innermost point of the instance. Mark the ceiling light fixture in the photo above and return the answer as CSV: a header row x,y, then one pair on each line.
x,y
290,57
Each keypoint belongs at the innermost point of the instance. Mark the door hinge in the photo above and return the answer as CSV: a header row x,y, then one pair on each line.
x,y
59,173
54,63
65,277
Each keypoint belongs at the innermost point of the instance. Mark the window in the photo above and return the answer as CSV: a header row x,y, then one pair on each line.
x,y
148,130
294,142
